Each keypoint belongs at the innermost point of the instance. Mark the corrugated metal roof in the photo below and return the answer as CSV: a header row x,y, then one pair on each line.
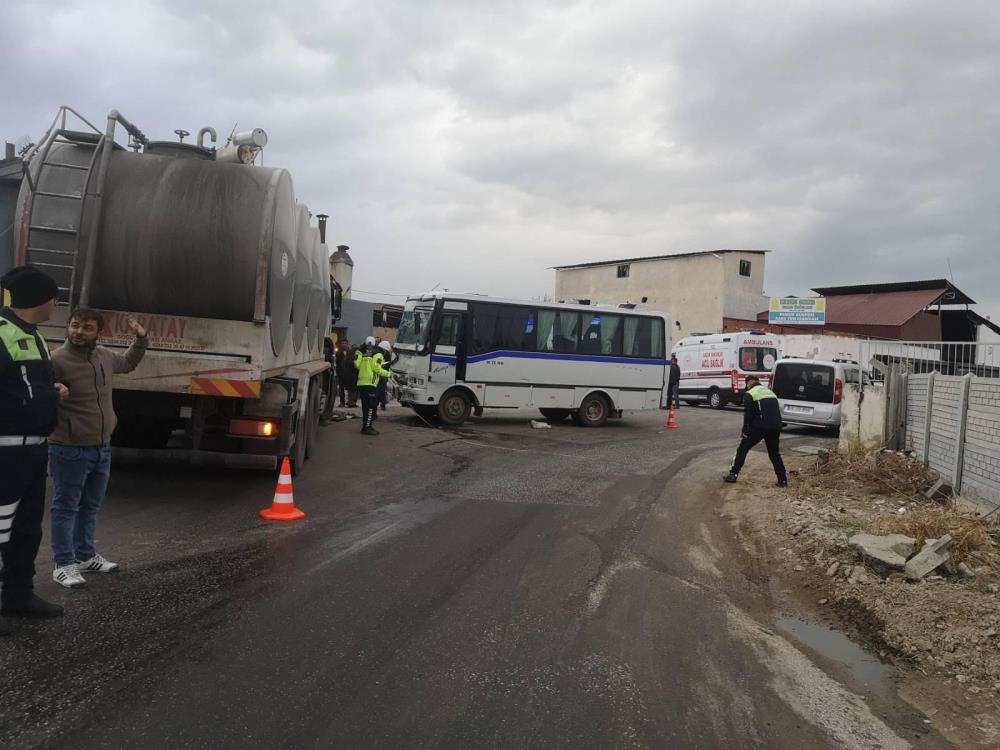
x,y
952,294
878,309
655,257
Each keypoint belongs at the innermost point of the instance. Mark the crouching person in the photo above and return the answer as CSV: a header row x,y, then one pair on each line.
x,y
79,449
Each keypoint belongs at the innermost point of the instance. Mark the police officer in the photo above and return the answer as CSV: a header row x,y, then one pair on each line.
x,y
29,401
761,421
368,363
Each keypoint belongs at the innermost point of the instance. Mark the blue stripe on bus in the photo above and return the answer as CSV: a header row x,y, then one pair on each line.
x,y
449,360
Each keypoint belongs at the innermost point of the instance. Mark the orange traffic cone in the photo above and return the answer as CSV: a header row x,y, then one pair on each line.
x,y
671,423
283,507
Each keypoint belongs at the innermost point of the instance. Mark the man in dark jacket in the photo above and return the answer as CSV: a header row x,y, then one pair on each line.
x,y
343,364
80,446
761,421
29,404
675,383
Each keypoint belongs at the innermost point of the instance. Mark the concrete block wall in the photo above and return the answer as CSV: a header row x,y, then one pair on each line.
x,y
916,411
964,418
862,416
944,424
981,460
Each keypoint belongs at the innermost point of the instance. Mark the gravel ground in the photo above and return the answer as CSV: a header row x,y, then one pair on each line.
x,y
945,631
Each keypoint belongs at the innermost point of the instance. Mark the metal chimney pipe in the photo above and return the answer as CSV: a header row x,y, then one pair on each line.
x,y
321,220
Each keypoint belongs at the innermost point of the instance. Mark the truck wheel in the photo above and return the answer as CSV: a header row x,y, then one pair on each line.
x,y
312,416
454,408
301,437
593,411
556,415
715,399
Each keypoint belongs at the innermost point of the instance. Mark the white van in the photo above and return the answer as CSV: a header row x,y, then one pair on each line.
x,y
714,366
809,391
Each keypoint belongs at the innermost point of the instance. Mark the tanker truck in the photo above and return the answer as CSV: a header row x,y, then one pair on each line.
x,y
214,256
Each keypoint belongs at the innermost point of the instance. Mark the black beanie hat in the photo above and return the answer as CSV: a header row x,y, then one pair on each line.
x,y
29,287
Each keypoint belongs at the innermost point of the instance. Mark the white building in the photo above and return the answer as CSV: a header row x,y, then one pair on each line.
x,y
697,289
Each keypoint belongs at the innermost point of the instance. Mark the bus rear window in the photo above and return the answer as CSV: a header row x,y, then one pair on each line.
x,y
757,358
804,381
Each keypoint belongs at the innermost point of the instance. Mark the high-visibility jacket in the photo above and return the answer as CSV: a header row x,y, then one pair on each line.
x,y
761,409
29,404
369,367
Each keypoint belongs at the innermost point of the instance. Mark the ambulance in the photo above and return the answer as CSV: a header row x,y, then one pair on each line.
x,y
714,366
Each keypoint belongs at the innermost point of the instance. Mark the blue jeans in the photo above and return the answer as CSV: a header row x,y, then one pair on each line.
x,y
80,476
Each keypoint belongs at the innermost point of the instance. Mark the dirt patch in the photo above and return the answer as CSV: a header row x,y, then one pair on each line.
x,y
944,631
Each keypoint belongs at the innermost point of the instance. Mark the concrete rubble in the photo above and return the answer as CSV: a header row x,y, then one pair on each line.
x,y
884,553
940,490
934,554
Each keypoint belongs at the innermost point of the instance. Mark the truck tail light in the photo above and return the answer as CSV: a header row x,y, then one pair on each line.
x,y
838,391
262,428
735,376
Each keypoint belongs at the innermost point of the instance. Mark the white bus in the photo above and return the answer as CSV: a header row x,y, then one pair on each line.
x,y
460,353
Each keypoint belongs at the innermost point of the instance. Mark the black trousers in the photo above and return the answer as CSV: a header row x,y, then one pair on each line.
x,y
22,505
771,439
369,403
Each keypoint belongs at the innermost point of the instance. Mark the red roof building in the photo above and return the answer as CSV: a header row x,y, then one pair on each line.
x,y
932,310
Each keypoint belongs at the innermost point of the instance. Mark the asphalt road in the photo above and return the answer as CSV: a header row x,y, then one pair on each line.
x,y
493,586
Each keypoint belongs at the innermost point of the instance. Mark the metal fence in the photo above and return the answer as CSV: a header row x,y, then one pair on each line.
x,y
922,357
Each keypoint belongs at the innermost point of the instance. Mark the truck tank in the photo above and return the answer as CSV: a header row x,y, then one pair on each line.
x,y
303,279
177,236
313,322
321,291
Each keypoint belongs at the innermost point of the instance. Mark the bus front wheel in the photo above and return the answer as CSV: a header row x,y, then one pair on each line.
x,y
454,408
593,411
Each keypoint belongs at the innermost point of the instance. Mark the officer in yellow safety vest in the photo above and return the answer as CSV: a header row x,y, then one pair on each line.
x,y
29,408
368,363
761,421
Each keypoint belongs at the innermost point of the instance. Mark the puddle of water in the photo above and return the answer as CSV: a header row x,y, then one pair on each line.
x,y
863,666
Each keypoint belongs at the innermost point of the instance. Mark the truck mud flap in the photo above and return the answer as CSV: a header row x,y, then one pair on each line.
x,y
195,458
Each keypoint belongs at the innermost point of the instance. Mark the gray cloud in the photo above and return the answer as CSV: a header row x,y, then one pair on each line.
x,y
473,145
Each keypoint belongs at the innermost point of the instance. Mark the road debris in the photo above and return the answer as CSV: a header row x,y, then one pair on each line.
x,y
540,425
934,554
884,553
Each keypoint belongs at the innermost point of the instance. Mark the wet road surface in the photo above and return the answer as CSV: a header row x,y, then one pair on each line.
x,y
493,586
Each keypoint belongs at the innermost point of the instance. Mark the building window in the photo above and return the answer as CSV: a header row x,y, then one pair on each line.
x,y
623,271
744,268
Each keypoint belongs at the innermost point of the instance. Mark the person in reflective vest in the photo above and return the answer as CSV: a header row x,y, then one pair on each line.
x,y
29,407
761,421
368,363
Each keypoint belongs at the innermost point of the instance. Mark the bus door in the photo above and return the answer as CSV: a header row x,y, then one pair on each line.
x,y
448,358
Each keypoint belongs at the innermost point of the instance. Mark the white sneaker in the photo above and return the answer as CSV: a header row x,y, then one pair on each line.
x,y
98,564
68,576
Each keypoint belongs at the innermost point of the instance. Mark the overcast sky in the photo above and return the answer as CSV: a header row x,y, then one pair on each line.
x,y
472,145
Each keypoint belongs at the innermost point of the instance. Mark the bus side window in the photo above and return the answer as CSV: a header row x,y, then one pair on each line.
x,y
449,330
557,331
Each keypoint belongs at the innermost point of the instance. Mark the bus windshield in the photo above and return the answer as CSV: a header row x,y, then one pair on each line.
x,y
414,326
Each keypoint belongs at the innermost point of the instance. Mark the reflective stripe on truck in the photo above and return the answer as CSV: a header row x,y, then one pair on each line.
x,y
225,387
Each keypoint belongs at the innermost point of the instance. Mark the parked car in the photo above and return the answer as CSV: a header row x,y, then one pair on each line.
x,y
810,391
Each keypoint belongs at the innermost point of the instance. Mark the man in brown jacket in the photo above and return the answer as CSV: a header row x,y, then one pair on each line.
x,y
79,450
